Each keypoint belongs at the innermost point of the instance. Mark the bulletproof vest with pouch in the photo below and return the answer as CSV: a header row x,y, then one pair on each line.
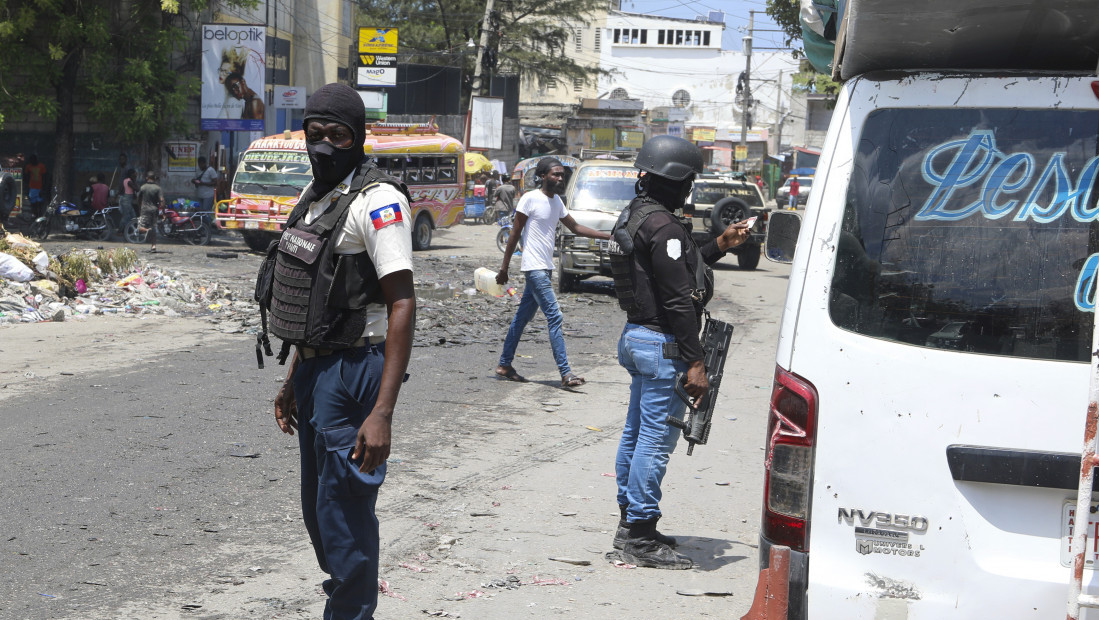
x,y
318,298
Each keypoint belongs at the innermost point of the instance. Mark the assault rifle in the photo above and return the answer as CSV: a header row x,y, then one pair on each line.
x,y
716,338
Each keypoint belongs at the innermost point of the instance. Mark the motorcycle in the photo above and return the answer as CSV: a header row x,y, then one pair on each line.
x,y
505,223
176,220
66,217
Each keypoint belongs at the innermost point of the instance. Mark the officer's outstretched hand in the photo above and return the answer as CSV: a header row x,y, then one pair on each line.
x,y
286,409
697,383
372,442
734,235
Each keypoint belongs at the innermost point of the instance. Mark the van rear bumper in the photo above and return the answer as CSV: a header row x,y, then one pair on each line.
x,y
799,578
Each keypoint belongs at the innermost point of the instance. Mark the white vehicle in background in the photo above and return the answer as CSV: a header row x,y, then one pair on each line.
x,y
923,448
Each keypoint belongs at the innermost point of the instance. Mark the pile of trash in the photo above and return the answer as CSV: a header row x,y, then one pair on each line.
x,y
37,287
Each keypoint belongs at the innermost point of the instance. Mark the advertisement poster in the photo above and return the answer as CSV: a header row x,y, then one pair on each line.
x,y
233,69
182,156
290,97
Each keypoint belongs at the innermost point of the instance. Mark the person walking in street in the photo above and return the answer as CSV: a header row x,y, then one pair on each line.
x,y
206,182
35,174
661,281
151,199
491,184
795,189
342,297
536,220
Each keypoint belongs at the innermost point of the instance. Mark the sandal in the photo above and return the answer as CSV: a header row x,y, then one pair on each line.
x,y
507,372
571,380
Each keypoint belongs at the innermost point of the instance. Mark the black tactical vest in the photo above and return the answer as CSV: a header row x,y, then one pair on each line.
x,y
623,264
315,297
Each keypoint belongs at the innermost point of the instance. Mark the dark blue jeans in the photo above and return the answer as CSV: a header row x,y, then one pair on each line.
x,y
334,395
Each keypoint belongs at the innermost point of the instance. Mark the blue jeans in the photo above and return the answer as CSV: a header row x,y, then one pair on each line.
x,y
647,439
538,294
334,394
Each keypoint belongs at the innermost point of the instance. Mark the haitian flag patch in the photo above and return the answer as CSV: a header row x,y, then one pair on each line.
x,y
384,216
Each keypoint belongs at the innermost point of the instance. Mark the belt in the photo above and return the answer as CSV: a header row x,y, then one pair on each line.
x,y
305,352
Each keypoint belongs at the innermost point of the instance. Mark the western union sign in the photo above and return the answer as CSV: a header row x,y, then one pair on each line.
x,y
374,60
377,40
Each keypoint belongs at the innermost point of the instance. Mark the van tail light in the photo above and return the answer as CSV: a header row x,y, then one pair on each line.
x,y
791,430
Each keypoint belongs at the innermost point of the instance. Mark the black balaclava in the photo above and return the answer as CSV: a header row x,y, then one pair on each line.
x,y
671,194
341,104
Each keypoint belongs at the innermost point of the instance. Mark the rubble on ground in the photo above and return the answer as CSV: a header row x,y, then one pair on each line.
x,y
84,282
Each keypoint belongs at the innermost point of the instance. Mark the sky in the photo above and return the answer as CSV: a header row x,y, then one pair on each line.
x,y
736,18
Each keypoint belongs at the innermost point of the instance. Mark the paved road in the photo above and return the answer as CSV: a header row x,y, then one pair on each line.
x,y
145,477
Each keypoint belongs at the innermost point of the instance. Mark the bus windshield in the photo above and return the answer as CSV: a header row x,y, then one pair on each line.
x,y
273,173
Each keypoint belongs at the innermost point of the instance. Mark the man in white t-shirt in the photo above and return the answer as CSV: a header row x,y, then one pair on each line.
x,y
536,220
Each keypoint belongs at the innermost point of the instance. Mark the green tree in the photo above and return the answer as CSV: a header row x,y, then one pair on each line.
x,y
527,37
127,58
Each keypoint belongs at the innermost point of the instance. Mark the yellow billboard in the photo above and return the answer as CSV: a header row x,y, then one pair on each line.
x,y
703,134
631,139
377,40
602,139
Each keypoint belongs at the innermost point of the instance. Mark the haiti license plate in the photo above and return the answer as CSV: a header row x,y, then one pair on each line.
x,y
1068,526
251,224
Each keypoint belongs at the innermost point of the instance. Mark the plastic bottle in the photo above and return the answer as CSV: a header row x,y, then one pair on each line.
x,y
485,280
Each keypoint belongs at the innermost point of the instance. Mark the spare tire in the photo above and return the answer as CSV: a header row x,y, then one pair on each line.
x,y
7,195
727,211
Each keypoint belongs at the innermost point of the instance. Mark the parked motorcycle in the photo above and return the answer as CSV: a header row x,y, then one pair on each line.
x,y
66,217
176,220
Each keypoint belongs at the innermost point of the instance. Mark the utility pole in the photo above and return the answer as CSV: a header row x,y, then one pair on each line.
x,y
781,116
746,102
475,88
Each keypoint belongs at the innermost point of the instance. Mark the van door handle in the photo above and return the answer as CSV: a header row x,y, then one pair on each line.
x,y
1025,468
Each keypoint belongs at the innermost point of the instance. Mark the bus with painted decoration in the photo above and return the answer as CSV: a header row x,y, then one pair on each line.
x,y
274,170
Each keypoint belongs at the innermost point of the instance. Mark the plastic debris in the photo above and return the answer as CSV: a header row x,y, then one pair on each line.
x,y
384,588
414,567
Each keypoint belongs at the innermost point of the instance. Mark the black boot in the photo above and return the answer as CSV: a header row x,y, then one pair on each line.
x,y
643,549
623,532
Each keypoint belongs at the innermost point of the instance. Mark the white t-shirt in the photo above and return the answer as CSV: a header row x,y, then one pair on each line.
x,y
378,222
207,180
542,213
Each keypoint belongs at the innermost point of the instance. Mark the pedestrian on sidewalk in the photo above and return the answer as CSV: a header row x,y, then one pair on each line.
x,y
536,220
151,199
661,282
343,299
205,183
126,199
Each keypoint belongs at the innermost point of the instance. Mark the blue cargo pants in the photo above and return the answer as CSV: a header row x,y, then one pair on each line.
x,y
334,395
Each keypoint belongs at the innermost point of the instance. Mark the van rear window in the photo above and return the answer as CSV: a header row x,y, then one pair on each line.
x,y
973,230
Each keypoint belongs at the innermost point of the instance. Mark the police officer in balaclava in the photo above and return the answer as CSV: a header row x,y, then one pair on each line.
x,y
660,281
344,257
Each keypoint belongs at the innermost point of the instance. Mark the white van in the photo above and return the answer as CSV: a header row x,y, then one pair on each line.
x,y
931,382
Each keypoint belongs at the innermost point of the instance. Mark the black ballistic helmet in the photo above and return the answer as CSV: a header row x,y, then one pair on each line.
x,y
669,157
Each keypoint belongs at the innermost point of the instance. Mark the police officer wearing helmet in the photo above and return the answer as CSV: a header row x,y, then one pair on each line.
x,y
342,298
660,280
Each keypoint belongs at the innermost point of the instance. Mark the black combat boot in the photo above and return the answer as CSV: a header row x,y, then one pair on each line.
x,y
623,532
643,549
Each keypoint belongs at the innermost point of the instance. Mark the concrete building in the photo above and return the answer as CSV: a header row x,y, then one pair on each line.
x,y
689,85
